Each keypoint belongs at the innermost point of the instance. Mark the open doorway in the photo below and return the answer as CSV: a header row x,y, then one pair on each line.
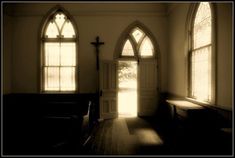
x,y
127,89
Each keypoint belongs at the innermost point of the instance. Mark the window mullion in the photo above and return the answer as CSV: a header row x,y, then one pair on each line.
x,y
138,46
59,66
62,27
46,76
208,45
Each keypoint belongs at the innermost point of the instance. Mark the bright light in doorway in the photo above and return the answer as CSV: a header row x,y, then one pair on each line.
x,y
127,89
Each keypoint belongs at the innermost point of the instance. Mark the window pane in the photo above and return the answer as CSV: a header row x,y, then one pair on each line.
x,y
68,31
68,54
60,19
67,77
137,34
51,75
128,49
52,31
52,54
201,74
202,26
203,12
146,48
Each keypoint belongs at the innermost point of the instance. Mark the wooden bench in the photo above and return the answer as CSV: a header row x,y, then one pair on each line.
x,y
38,123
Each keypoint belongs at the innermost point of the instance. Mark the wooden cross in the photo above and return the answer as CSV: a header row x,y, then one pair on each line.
x,y
97,44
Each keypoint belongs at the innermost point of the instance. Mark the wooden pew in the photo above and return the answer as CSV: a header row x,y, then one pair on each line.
x,y
44,123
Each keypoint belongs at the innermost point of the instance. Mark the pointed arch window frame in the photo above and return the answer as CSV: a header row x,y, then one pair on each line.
x,y
190,39
59,39
137,45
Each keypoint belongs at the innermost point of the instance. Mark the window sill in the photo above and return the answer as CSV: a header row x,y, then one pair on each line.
x,y
199,102
58,92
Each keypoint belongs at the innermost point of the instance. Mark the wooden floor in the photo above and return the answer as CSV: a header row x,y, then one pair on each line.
x,y
123,136
145,136
138,136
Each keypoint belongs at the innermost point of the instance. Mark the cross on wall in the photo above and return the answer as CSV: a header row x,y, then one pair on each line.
x,y
97,44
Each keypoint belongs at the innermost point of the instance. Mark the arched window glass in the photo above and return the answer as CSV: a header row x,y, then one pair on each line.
x,y
138,44
52,30
59,54
128,49
68,30
137,34
146,47
202,26
60,19
201,56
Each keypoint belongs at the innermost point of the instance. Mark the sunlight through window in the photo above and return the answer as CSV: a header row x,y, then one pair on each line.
x,y
146,48
68,31
137,34
60,19
201,54
128,49
67,77
59,55
52,78
52,31
52,51
68,54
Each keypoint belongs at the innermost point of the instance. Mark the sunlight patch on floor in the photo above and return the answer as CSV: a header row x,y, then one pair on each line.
x,y
148,137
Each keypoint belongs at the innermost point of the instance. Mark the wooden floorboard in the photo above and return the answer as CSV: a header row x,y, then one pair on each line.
x,y
141,136
137,136
113,137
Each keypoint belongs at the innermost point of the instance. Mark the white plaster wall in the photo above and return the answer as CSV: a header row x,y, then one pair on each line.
x,y
21,44
25,58
225,55
7,55
107,21
176,61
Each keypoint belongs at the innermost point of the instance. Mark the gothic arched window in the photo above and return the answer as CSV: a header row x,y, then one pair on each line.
x,y
201,56
59,55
